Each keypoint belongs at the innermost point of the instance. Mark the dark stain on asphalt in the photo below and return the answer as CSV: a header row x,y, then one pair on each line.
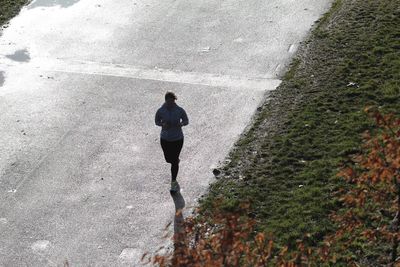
x,y
50,3
2,78
20,56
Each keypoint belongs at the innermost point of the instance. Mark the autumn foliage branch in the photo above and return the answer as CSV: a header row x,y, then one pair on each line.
x,y
229,240
371,201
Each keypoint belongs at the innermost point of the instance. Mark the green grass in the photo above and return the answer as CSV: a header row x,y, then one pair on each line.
x,y
10,8
286,164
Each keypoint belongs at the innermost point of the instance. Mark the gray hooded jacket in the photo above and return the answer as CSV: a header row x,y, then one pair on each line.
x,y
175,117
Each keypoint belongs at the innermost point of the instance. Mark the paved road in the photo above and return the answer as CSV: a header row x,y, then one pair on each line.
x,y
82,175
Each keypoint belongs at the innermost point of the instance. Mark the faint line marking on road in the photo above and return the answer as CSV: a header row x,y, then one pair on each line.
x,y
164,75
41,160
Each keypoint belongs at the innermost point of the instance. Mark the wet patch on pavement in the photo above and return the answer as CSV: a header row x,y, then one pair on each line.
x,y
50,3
20,56
2,78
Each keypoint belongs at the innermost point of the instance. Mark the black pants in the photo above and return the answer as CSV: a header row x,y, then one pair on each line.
x,y
172,150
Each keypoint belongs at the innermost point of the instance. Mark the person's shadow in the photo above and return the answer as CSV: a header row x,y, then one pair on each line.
x,y
179,202
179,226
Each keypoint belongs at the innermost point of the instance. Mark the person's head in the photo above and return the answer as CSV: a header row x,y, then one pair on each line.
x,y
170,98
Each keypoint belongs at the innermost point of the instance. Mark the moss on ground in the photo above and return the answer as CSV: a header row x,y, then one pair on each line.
x,y
9,9
286,163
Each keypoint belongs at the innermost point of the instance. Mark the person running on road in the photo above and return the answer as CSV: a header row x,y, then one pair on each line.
x,y
171,118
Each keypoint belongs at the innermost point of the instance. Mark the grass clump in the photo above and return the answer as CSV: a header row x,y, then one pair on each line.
x,y
9,9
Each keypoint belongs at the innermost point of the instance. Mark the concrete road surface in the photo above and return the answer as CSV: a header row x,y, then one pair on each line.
x,y
82,176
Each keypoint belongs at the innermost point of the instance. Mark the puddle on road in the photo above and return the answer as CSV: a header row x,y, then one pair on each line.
x,y
2,78
20,56
50,3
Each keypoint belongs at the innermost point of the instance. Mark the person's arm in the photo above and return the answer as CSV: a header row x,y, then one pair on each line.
x,y
184,117
158,119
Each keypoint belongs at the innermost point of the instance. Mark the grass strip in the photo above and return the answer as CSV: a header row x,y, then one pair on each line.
x,y
287,162
9,9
